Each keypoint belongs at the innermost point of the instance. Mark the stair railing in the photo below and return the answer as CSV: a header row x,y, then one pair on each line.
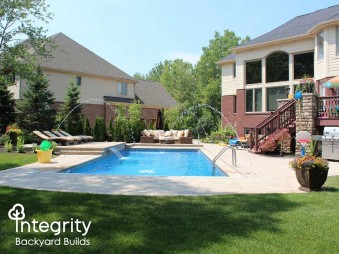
x,y
281,118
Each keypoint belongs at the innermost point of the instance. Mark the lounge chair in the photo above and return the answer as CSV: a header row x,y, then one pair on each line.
x,y
84,137
76,138
44,137
52,135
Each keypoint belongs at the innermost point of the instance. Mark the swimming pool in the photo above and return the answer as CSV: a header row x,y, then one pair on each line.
x,y
150,162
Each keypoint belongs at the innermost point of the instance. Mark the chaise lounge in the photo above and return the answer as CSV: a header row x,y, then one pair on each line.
x,y
55,139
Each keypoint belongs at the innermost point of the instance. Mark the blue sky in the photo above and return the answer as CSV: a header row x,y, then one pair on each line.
x,y
135,34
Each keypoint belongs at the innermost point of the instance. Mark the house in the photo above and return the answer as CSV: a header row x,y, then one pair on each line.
x,y
102,85
263,70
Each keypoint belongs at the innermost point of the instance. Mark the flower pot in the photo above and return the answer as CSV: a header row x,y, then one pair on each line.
x,y
44,156
311,178
13,136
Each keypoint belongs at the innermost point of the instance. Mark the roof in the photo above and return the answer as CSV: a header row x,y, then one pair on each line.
x,y
71,56
153,94
228,58
117,99
298,26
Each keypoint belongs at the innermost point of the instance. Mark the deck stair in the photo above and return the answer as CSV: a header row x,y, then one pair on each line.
x,y
273,126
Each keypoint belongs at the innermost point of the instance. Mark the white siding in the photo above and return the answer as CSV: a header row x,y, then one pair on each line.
x,y
228,82
260,53
91,87
333,59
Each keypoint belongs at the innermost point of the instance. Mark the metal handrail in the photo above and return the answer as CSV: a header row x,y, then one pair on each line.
x,y
234,157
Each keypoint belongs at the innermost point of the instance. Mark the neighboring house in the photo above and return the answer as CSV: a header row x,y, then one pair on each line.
x,y
270,66
98,81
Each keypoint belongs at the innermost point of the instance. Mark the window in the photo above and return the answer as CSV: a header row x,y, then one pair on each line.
x,y
320,45
337,39
254,100
273,94
277,67
122,88
234,104
78,81
303,65
253,72
234,70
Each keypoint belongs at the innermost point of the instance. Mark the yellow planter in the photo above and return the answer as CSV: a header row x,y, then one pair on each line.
x,y
44,156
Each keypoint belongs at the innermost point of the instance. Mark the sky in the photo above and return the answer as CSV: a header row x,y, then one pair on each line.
x,y
134,35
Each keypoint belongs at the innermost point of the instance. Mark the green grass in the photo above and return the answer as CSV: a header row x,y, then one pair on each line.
x,y
11,160
271,223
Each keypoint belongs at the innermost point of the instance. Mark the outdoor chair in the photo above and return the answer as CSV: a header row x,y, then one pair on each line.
x,y
84,137
55,139
77,139
51,135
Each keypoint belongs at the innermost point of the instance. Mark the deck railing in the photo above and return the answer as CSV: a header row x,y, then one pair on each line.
x,y
281,118
328,107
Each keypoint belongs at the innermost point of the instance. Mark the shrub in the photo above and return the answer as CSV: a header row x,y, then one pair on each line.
x,y
223,135
30,138
8,146
54,146
110,131
99,129
3,139
34,147
80,126
87,128
20,145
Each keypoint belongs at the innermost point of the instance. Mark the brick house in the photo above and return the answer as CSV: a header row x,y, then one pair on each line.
x,y
268,68
102,85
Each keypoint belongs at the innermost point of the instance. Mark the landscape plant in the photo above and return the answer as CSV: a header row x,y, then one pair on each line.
x,y
8,146
20,145
99,129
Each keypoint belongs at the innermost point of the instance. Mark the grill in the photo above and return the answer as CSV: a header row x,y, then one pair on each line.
x,y
330,143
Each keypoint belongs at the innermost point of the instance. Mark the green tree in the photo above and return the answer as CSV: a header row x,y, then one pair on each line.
x,y
99,129
208,72
16,25
136,125
34,112
155,73
80,126
87,128
70,110
110,130
139,75
179,80
7,115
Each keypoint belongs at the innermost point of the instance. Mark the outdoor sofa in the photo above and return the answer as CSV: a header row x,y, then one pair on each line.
x,y
171,136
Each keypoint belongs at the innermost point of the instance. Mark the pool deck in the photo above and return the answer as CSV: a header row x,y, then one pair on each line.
x,y
253,174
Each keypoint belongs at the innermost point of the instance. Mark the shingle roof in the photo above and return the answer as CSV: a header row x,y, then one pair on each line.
x,y
153,94
229,57
71,56
117,99
297,26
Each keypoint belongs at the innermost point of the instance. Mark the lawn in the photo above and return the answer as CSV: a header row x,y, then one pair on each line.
x,y
270,223
11,160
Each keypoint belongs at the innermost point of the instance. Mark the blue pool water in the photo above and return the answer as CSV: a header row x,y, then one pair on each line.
x,y
147,162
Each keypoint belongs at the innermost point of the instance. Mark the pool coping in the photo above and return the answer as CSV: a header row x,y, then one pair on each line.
x,y
241,180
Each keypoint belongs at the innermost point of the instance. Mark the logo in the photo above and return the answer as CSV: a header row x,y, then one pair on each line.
x,y
17,213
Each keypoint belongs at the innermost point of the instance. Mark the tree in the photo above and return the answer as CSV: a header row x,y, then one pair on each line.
x,y
7,115
139,75
155,73
178,78
16,25
99,129
87,128
70,110
208,72
34,111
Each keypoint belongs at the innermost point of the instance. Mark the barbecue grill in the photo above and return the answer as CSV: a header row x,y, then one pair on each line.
x,y
330,143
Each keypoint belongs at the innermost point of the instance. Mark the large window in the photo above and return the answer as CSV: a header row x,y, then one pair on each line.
x,y
122,88
253,72
337,39
78,81
320,45
273,94
304,65
254,100
277,67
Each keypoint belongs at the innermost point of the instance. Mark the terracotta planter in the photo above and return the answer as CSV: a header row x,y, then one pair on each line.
x,y
13,136
311,178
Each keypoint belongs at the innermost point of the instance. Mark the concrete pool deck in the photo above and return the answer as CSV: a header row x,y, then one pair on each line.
x,y
253,174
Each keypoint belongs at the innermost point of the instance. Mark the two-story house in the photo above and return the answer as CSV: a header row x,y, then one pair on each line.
x,y
269,67
102,85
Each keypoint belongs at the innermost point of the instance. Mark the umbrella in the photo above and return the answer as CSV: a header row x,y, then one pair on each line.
x,y
333,82
160,123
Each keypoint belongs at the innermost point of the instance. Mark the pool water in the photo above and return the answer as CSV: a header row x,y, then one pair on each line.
x,y
150,162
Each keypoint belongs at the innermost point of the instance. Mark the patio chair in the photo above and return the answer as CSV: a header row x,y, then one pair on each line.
x,y
84,137
51,135
55,139
77,139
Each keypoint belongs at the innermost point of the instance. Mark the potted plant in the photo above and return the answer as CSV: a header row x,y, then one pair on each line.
x,y
13,131
306,85
44,153
311,171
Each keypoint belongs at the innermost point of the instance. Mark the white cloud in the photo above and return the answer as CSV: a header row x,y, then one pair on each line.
x,y
191,58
